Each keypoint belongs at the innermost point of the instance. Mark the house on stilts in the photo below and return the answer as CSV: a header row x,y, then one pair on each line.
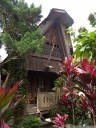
x,y
43,69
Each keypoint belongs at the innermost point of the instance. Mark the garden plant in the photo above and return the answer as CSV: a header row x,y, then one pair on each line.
x,y
7,106
78,91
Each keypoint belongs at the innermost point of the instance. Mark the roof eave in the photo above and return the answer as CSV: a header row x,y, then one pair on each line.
x,y
59,14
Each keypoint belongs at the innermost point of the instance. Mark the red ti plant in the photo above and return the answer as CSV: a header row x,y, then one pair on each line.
x,y
59,121
68,76
79,77
87,84
6,96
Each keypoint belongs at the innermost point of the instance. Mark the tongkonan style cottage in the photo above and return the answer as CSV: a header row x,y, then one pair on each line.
x,y
43,69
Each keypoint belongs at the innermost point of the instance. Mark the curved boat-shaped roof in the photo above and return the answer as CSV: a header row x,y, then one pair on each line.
x,y
56,15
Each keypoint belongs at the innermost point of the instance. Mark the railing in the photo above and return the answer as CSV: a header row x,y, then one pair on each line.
x,y
46,99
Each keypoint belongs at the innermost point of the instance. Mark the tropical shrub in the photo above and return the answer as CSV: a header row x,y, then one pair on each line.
x,y
78,84
19,112
29,122
6,105
59,121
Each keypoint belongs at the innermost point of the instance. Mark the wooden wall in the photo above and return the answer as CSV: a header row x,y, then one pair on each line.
x,y
42,80
37,63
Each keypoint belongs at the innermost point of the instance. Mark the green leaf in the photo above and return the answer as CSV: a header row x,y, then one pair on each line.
x,y
83,48
7,114
11,94
54,89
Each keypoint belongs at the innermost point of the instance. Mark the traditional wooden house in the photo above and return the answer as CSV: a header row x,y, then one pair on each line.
x,y
43,69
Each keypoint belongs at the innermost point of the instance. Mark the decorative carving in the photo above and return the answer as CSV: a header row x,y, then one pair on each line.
x,y
52,39
51,36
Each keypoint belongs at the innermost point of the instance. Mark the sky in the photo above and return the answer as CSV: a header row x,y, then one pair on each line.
x,y
77,9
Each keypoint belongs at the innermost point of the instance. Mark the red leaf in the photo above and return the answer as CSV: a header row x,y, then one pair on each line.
x,y
89,68
64,98
94,73
68,61
59,120
2,90
65,88
4,125
84,104
85,65
92,66
10,94
79,71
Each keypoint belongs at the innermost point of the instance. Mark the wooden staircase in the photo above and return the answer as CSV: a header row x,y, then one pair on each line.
x,y
45,100
31,109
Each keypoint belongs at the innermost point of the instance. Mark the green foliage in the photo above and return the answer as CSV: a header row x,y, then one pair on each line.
x,y
92,19
57,84
78,91
29,122
20,35
86,44
85,41
19,112
6,96
17,73
81,118
30,42
53,111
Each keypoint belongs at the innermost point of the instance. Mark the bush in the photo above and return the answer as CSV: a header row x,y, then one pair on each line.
x,y
19,112
29,122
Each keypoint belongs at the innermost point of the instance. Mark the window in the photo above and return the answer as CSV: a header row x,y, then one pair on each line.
x,y
41,82
47,49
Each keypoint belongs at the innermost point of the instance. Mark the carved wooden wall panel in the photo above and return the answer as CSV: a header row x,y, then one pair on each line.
x,y
52,39
39,64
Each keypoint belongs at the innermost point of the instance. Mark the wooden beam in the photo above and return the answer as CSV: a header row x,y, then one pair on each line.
x,y
64,40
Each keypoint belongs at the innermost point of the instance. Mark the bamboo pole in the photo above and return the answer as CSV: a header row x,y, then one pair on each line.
x,y
50,54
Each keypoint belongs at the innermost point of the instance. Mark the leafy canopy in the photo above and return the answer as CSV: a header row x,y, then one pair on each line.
x,y
86,41
20,35
92,19
86,44
18,21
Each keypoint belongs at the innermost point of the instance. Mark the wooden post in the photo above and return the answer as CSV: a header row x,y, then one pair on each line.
x,y
63,54
50,54
38,102
64,39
